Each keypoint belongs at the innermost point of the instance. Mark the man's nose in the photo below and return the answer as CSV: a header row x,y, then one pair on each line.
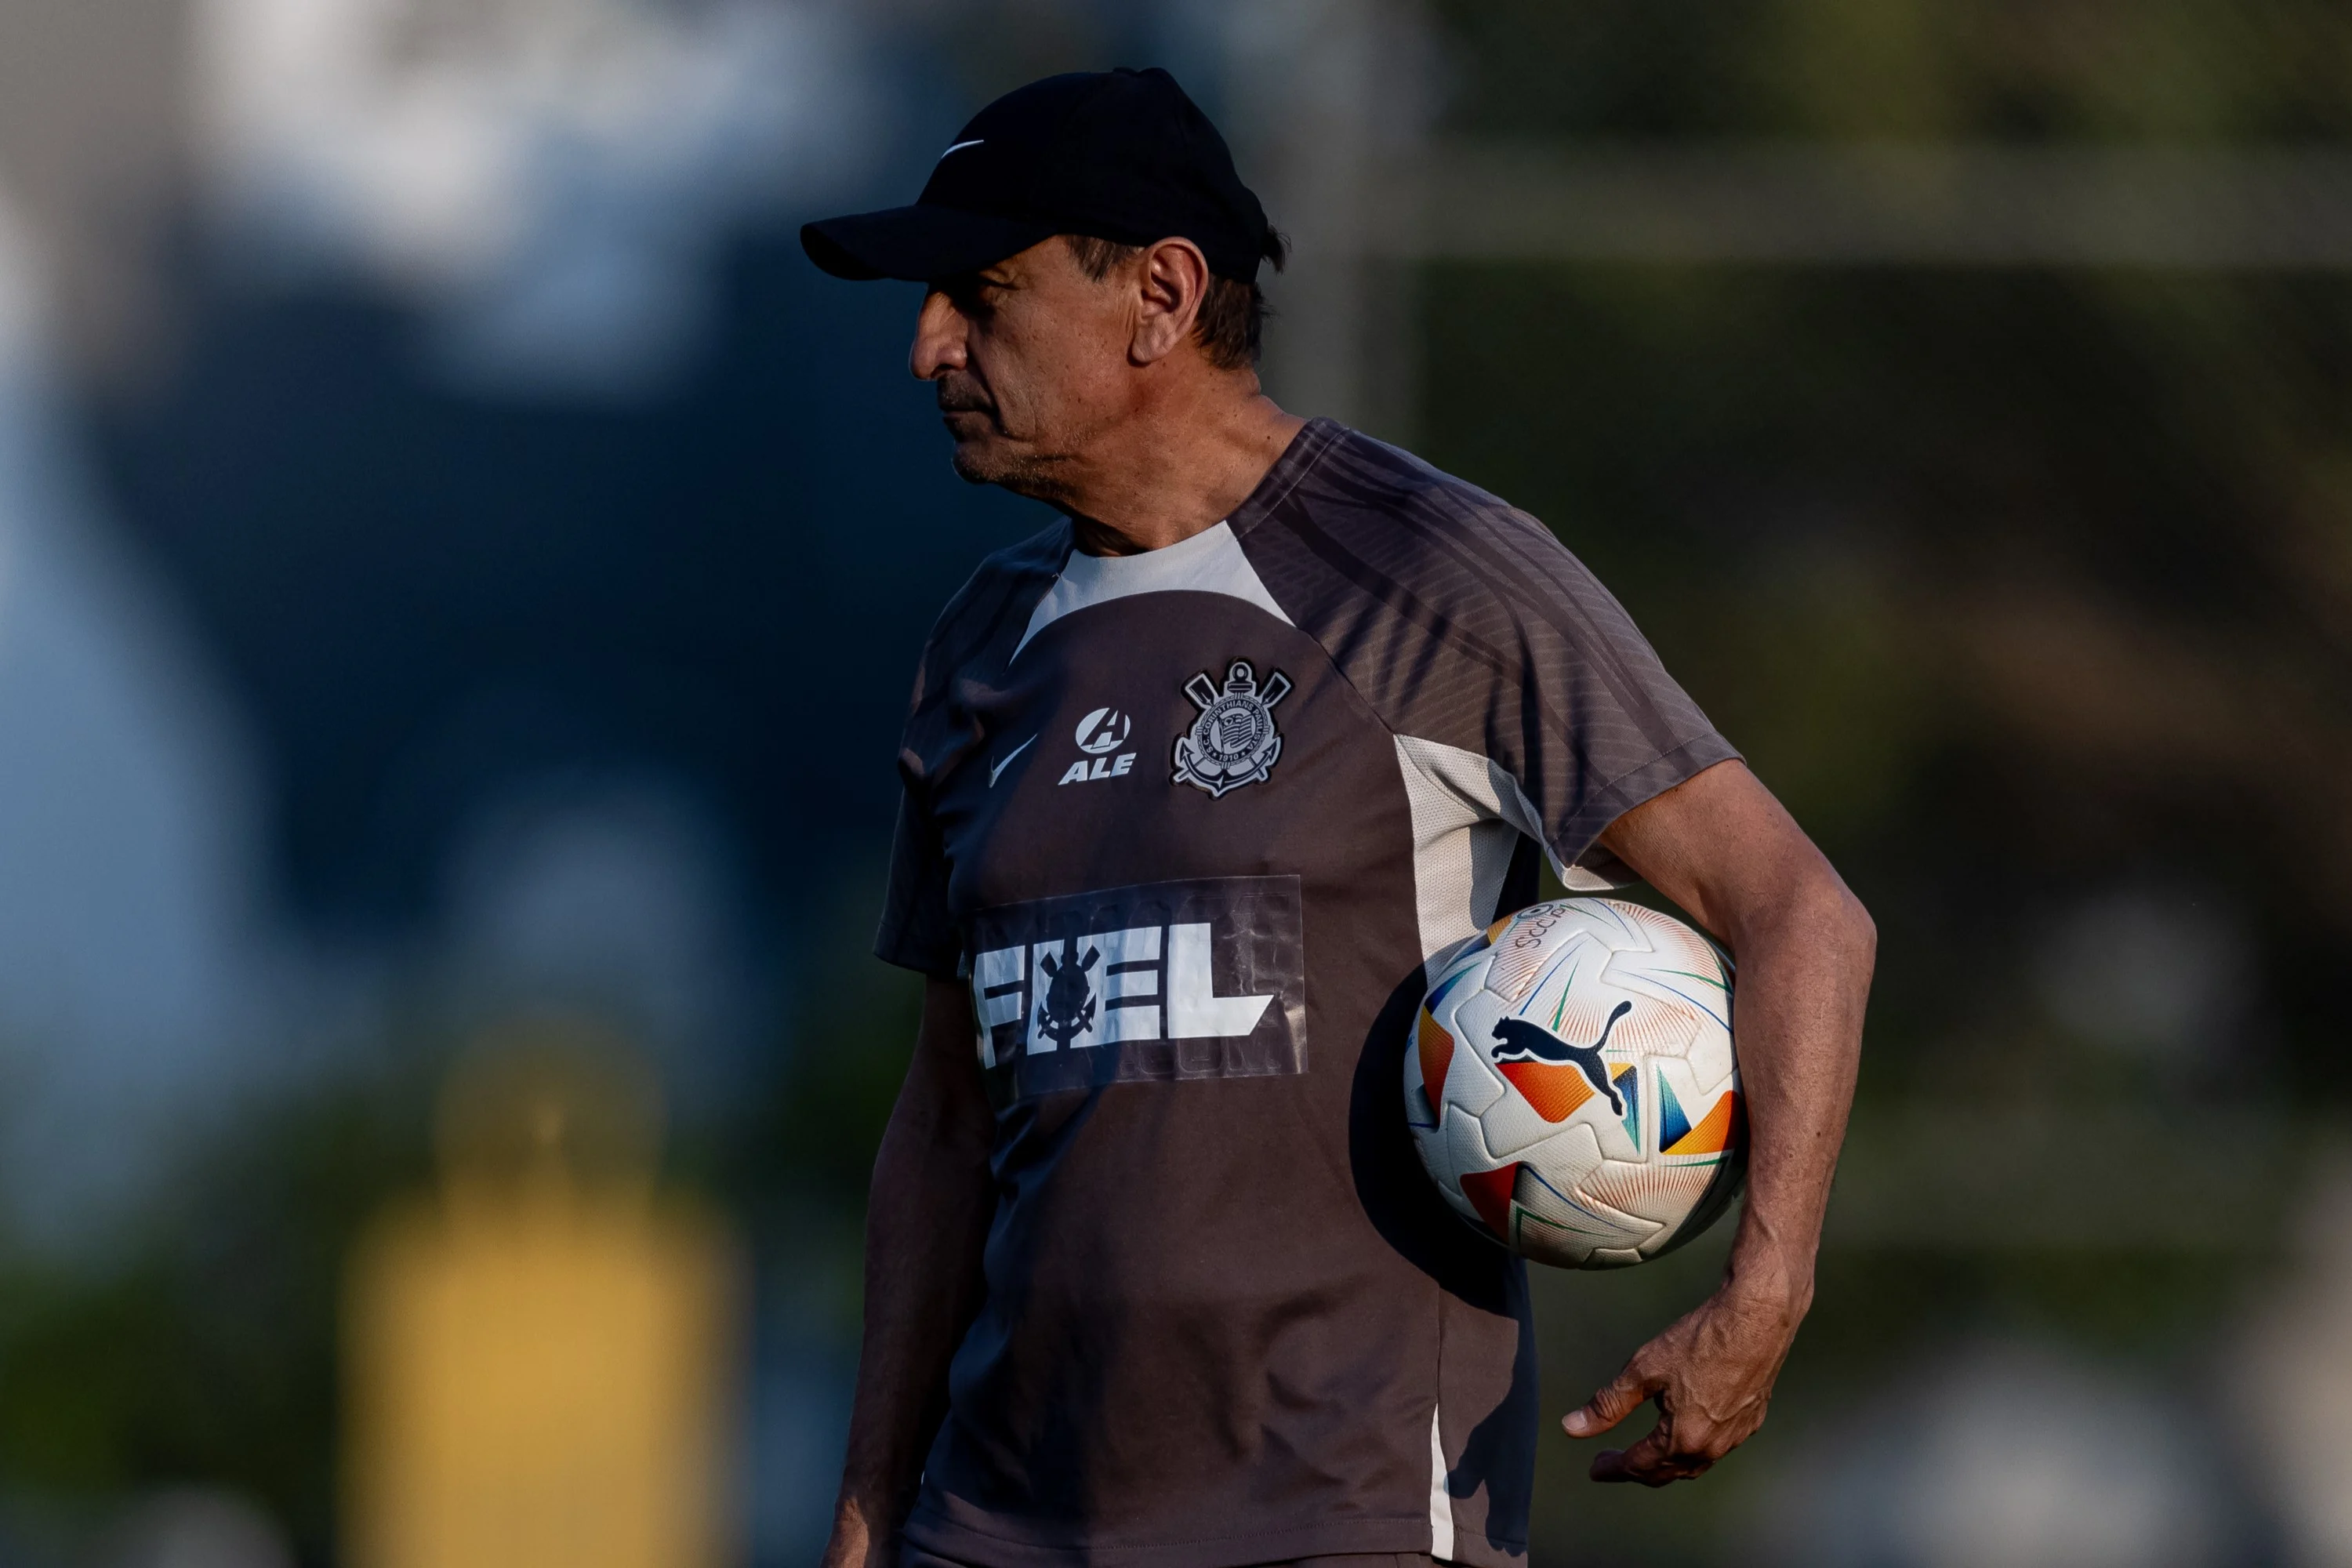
x,y
938,338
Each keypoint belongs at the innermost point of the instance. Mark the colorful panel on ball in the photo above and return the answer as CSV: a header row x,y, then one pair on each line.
x,y
1713,1133
1555,1092
1436,1057
1628,1080
1490,1193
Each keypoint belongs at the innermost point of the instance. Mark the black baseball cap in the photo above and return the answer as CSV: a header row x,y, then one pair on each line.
x,y
1121,155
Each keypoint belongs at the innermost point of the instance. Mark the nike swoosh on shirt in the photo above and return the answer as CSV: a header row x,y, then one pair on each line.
x,y
959,147
1007,762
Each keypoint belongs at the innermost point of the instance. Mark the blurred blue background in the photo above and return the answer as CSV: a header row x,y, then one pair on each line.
x,y
459,563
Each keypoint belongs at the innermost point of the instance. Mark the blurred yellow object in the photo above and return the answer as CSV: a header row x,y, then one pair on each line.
x,y
540,1364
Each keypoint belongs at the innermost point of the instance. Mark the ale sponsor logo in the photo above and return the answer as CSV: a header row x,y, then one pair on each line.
x,y
1099,735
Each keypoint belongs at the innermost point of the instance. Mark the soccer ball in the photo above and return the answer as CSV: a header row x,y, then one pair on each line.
x,y
1570,1083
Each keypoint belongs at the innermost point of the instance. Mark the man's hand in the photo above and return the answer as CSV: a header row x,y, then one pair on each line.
x,y
1721,846
1711,1372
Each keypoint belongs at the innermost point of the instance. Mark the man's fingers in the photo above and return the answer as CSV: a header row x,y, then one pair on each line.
x,y
1652,1461
1622,1397
1611,1465
1616,1464
1660,1459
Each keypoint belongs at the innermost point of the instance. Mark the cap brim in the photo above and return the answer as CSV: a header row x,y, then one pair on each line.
x,y
918,243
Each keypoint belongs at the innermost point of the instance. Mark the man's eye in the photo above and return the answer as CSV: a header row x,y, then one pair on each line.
x,y
972,296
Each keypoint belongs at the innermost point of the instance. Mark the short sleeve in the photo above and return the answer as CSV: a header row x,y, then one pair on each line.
x,y
977,631
918,930
1589,724
1525,707
1508,674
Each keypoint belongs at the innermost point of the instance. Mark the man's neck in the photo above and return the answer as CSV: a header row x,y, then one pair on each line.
x,y
1161,479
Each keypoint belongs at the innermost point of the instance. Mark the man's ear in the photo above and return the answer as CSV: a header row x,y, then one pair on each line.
x,y
1170,284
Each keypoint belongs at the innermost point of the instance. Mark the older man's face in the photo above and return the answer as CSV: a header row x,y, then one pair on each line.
x,y
1030,357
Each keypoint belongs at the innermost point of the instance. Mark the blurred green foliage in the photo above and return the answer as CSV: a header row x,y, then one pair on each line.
x,y
2012,585
1901,69
799,1165
2020,588
201,1345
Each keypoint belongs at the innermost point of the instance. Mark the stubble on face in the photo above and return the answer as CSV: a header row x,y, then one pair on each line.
x,y
1021,410
986,453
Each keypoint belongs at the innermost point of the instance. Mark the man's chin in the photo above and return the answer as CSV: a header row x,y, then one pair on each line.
x,y
982,461
973,464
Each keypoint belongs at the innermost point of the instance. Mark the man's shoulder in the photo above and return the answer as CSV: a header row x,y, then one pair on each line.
x,y
1002,590
1362,477
1365,517
1005,572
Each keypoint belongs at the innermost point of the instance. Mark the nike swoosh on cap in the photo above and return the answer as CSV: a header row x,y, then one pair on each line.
x,y
1017,750
958,148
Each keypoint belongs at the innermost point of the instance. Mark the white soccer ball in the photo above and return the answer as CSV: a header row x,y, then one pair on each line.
x,y
1570,1083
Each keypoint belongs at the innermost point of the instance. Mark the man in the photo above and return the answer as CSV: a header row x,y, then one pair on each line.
x,y
1198,782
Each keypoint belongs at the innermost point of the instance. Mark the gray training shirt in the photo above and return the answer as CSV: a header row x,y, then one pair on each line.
x,y
1191,824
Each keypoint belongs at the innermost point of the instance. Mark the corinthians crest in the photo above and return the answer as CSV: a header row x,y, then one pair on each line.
x,y
1234,742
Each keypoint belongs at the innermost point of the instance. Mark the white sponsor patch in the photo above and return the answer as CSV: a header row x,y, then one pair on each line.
x,y
1138,982
1169,980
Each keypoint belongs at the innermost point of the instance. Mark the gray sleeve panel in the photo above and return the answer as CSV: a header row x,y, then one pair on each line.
x,y
972,642
1465,621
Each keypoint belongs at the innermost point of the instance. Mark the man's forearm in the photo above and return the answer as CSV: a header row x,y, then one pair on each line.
x,y
1804,979
1723,849
925,1224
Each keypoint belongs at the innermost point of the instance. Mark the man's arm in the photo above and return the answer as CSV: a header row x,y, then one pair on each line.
x,y
925,1227
1723,849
